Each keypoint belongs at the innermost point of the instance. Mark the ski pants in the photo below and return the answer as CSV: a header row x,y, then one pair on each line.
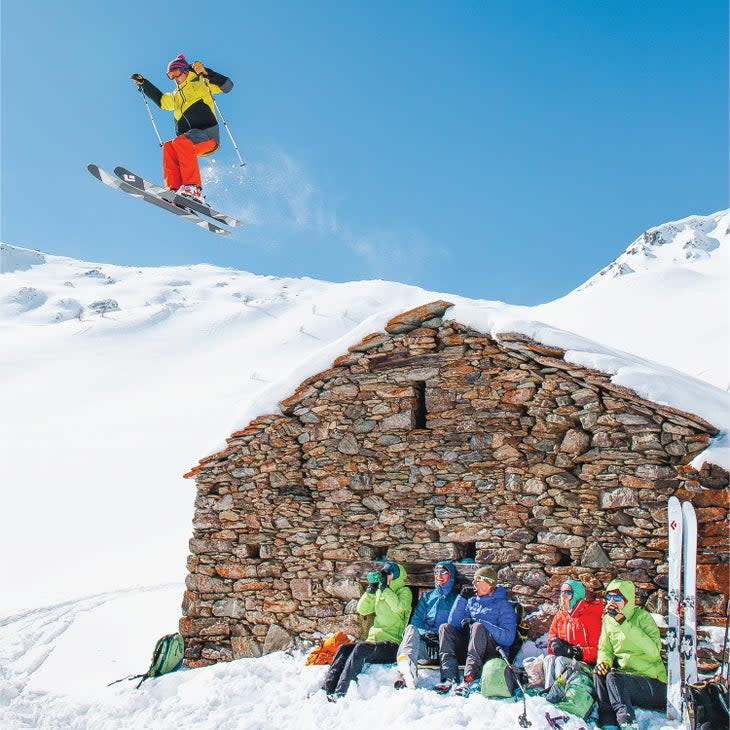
x,y
454,644
180,160
413,646
618,692
350,660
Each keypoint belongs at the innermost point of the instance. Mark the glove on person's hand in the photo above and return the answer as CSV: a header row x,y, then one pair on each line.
x,y
199,69
372,588
563,648
467,592
466,623
137,78
431,637
559,647
602,669
374,577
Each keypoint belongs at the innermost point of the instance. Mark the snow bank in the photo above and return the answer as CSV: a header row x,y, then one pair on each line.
x,y
55,664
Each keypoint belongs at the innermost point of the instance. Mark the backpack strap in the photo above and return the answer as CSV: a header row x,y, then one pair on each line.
x,y
131,676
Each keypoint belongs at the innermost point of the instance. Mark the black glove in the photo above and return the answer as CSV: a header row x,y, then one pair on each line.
x,y
576,653
563,648
466,623
431,637
372,588
467,592
431,640
137,78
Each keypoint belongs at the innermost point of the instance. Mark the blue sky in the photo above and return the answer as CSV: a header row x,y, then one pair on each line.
x,y
500,150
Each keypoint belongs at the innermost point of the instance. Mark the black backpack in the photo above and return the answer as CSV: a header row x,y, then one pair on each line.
x,y
706,706
523,630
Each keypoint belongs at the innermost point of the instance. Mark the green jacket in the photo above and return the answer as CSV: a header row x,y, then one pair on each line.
x,y
633,644
392,609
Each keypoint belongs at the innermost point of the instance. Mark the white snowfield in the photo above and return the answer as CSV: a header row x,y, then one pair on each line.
x,y
116,380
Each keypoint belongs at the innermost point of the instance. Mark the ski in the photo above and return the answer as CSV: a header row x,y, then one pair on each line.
x,y
674,675
140,183
188,215
688,644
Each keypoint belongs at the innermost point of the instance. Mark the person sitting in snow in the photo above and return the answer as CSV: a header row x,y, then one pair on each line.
x,y
196,125
480,620
388,598
421,639
574,630
629,668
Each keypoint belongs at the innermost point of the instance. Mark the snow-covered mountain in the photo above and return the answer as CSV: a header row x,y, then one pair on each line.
x,y
673,245
116,380
665,298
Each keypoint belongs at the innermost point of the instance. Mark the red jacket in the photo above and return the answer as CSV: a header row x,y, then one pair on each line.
x,y
579,627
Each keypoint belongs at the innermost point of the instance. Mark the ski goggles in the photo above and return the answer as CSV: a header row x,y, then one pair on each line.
x,y
481,579
615,597
176,73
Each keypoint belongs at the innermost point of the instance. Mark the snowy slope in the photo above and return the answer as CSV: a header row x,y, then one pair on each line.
x,y
116,380
666,298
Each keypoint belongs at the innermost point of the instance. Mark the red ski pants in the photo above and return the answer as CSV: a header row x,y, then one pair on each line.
x,y
180,160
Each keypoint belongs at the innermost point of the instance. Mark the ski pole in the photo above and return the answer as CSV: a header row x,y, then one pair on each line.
x,y
149,111
220,114
724,644
524,722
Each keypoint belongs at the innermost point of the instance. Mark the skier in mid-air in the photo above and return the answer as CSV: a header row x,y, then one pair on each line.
x,y
196,125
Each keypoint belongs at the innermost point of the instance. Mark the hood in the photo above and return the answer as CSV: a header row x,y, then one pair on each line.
x,y
400,581
447,587
579,591
628,591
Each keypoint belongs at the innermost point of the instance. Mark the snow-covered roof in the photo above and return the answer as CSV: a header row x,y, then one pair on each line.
x,y
678,394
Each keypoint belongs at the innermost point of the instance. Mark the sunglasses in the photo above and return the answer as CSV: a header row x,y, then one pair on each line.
x,y
616,597
567,592
440,571
481,579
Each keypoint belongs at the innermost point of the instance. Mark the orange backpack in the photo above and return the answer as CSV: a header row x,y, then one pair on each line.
x,y
325,652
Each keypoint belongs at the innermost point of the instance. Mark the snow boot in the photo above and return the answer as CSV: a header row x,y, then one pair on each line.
x,y
443,688
408,670
466,687
193,192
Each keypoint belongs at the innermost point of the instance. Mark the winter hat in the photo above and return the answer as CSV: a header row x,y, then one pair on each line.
x,y
178,63
579,591
486,574
391,567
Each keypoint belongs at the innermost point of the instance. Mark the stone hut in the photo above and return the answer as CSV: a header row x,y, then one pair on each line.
x,y
435,441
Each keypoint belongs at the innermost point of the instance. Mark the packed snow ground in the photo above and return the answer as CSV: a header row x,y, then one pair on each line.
x,y
55,664
116,380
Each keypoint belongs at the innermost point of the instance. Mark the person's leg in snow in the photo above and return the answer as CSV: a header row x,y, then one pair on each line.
x,y
335,670
481,647
361,653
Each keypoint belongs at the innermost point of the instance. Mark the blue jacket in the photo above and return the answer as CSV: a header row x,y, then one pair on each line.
x,y
433,608
494,612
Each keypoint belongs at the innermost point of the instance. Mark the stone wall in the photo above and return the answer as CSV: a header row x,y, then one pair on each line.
x,y
432,441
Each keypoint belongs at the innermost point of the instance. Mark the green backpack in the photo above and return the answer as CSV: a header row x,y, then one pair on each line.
x,y
573,690
497,679
167,657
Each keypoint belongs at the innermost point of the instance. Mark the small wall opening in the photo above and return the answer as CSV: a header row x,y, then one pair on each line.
x,y
253,550
419,406
466,550
376,553
564,559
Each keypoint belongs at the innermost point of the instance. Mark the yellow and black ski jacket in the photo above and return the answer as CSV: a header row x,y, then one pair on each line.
x,y
192,104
